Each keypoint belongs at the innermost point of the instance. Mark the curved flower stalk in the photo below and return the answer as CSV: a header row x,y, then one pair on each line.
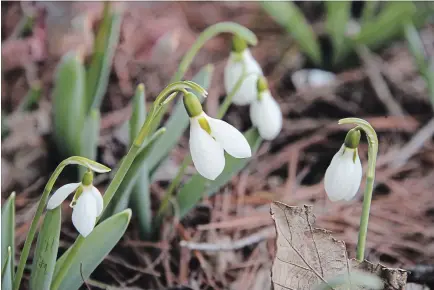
x,y
241,64
344,174
87,203
210,137
336,168
265,112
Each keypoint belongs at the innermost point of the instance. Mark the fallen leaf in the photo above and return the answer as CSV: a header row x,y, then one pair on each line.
x,y
307,257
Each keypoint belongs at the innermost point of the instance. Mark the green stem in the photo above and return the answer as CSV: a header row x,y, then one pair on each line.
x,y
41,206
370,177
125,165
207,34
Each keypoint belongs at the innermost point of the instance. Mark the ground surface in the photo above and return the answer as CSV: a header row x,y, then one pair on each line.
x,y
289,169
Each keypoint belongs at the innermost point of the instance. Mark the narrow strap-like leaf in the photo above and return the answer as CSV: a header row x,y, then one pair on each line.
x,y
8,229
289,16
94,249
6,279
47,245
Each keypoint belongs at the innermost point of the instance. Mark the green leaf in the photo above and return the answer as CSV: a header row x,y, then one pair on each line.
x,y
31,98
140,201
338,14
369,10
386,25
7,272
138,116
8,229
425,66
104,48
197,187
90,137
69,104
178,122
289,16
47,245
140,198
94,249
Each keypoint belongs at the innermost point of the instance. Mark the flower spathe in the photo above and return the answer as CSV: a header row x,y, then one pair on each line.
x,y
242,64
266,115
344,174
86,209
209,138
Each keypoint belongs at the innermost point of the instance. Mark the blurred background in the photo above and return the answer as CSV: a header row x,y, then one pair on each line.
x,y
384,75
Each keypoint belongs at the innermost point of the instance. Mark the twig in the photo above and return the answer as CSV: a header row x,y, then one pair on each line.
x,y
378,82
414,145
234,245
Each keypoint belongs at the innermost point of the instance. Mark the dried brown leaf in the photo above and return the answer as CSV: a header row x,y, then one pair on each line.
x,y
305,256
308,256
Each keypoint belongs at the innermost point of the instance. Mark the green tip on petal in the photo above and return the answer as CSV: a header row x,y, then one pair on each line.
x,y
192,105
352,139
262,84
87,178
238,44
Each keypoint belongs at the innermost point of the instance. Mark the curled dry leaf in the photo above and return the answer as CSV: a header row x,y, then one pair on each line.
x,y
308,256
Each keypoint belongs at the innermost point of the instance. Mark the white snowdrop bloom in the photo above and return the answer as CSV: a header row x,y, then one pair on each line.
x,y
241,63
306,78
86,208
344,174
209,138
265,112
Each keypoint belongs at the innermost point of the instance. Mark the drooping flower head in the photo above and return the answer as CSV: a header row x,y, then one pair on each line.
x,y
210,137
241,64
87,203
344,174
265,112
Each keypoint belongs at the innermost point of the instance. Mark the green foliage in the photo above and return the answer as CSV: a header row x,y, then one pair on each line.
x,y
47,245
386,25
93,250
69,104
197,187
7,272
31,98
8,231
338,14
292,19
104,49
425,66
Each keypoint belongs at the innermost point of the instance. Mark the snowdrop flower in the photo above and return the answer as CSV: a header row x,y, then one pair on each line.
x,y
87,203
210,137
241,64
344,174
265,112
305,78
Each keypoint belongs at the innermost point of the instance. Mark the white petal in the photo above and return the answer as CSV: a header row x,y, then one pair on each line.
x,y
61,194
343,176
98,200
232,140
208,155
266,115
312,78
233,71
84,213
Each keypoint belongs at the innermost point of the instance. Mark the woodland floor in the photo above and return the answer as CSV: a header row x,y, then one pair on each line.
x,y
289,169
